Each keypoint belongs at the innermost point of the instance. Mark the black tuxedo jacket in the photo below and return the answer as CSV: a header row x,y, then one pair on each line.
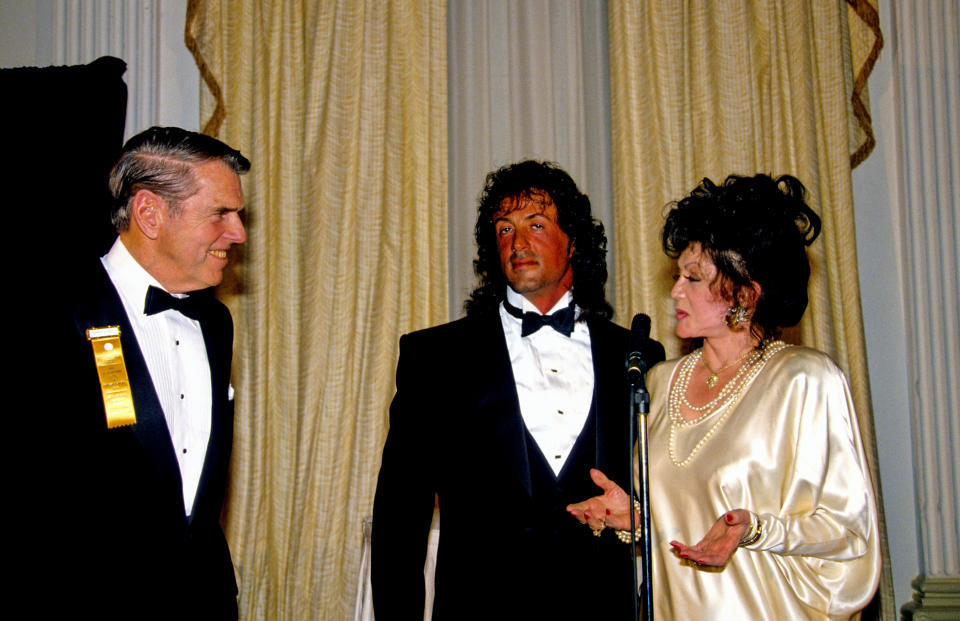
x,y
133,552
508,549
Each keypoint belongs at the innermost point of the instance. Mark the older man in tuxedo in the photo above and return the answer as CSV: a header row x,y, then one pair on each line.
x,y
500,416
144,394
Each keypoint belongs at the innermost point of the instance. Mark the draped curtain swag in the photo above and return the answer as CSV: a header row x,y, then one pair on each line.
x,y
341,107
709,88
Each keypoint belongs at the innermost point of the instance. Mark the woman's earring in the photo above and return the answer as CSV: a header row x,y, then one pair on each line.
x,y
737,317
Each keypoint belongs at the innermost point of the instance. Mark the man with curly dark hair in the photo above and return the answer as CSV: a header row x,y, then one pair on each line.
x,y
532,180
500,416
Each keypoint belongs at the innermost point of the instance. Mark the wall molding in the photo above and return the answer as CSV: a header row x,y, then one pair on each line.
x,y
934,599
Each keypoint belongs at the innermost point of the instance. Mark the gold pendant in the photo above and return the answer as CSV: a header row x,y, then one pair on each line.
x,y
712,381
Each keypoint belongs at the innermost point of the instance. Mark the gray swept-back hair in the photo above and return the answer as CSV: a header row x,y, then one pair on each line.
x,y
161,159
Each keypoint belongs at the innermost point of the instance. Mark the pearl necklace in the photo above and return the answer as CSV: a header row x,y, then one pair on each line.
x,y
679,387
679,390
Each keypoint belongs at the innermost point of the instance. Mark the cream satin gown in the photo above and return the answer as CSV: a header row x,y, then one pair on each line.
x,y
788,449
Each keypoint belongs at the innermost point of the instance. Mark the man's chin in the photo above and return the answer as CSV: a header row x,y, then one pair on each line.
x,y
524,284
212,280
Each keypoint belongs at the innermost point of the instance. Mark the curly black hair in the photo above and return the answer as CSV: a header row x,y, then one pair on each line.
x,y
754,229
589,261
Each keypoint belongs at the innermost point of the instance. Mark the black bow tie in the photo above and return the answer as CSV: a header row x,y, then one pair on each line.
x,y
561,321
159,300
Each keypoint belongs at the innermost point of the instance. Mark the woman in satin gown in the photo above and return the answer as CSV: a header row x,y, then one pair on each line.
x,y
754,450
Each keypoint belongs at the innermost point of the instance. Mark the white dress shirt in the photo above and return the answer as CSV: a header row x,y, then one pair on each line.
x,y
554,377
176,357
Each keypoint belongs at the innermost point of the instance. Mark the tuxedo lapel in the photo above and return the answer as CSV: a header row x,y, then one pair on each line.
x,y
588,451
496,397
218,340
104,308
610,390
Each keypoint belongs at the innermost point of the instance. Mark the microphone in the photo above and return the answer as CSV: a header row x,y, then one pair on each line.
x,y
639,337
639,407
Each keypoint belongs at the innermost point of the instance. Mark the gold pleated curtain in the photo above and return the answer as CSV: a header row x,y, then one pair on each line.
x,y
341,107
707,88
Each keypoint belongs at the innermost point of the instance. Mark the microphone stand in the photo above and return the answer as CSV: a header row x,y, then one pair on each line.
x,y
639,408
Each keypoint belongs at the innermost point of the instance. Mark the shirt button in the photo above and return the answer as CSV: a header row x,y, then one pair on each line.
x,y
181,396
560,412
184,451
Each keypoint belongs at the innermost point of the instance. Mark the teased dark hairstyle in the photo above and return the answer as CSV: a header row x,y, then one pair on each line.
x,y
161,159
753,229
589,261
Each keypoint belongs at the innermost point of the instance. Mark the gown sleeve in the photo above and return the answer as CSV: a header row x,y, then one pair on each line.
x,y
825,533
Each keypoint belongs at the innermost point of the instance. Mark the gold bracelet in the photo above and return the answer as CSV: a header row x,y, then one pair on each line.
x,y
625,535
755,532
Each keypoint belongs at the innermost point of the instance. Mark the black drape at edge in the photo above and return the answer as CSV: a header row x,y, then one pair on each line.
x,y
64,130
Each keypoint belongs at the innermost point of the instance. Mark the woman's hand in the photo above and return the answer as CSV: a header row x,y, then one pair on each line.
x,y
720,542
611,509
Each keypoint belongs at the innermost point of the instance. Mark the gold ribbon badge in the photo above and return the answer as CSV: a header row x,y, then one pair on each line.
x,y
114,383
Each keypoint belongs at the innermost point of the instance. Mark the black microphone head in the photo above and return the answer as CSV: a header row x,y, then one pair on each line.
x,y
639,337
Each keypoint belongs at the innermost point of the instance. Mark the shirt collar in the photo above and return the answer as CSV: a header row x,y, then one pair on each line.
x,y
127,275
525,305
